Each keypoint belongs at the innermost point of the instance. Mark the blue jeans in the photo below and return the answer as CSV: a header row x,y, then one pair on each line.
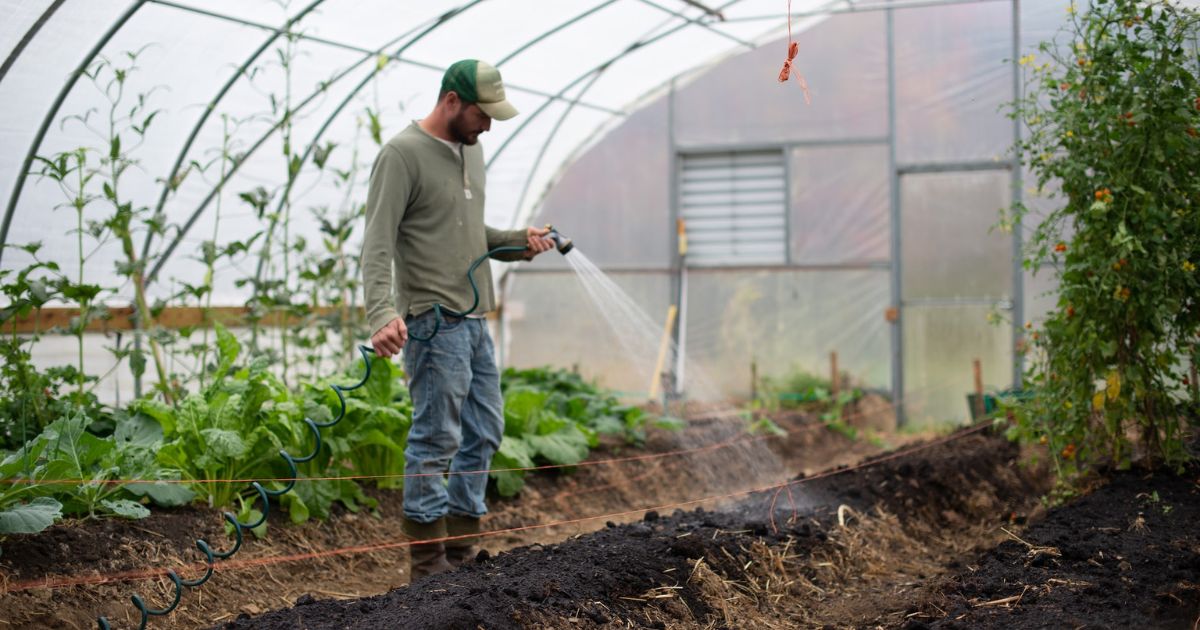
x,y
458,417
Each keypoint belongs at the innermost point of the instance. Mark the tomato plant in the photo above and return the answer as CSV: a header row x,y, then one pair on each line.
x,y
1111,114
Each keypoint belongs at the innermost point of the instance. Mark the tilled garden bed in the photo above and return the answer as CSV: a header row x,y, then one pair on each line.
x,y
69,574
811,553
947,534
1127,555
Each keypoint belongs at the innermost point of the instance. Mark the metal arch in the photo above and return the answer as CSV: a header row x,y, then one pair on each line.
x,y
358,49
328,121
52,112
559,96
705,25
212,106
213,193
851,7
28,37
533,42
546,146
598,71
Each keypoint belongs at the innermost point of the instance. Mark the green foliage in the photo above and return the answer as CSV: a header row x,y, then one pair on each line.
x,y
232,429
555,417
236,426
31,517
369,441
804,391
1112,117
535,433
794,390
93,468
31,398
569,396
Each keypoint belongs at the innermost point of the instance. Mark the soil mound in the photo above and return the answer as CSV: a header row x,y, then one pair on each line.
x,y
645,572
1126,555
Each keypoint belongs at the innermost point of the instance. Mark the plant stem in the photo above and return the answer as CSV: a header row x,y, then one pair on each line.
x,y
124,232
84,304
289,55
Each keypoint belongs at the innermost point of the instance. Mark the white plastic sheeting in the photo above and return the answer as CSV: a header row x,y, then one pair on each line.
x,y
613,89
605,54
953,73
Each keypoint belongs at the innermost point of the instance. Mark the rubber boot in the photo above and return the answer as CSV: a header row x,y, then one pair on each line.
x,y
426,558
460,551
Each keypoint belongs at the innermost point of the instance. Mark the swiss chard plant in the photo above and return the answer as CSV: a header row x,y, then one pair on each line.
x,y
368,442
554,416
535,434
233,429
570,396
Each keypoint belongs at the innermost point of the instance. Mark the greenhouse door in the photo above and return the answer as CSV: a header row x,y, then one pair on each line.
x,y
956,275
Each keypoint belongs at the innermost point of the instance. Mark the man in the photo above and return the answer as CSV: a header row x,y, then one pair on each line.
x,y
425,223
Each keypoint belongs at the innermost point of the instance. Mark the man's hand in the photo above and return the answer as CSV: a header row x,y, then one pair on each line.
x,y
390,339
536,242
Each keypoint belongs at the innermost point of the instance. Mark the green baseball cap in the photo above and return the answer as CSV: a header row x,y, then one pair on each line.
x,y
479,82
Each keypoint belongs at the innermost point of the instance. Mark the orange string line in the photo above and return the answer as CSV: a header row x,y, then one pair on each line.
x,y
142,574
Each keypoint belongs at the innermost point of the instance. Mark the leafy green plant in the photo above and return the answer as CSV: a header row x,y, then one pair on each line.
x,y
534,433
1113,114
553,416
232,429
235,428
31,398
569,396
66,469
369,440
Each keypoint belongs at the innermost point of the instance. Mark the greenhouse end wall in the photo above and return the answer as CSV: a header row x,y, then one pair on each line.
x,y
960,290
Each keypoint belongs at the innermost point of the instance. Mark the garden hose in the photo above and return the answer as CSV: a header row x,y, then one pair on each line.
x,y
264,495
561,243
439,310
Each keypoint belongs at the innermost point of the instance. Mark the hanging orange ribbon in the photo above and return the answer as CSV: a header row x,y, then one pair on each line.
x,y
793,49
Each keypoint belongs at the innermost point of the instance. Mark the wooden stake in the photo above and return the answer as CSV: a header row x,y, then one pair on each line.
x,y
663,346
979,406
753,379
833,375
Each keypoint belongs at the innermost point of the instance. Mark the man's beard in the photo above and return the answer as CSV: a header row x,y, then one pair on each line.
x,y
460,130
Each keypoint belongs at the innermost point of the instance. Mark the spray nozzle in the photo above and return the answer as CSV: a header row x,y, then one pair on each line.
x,y
562,243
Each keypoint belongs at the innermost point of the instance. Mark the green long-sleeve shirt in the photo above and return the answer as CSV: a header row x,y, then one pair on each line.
x,y
425,225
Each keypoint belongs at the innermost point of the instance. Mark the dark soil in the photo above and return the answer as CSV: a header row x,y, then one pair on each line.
x,y
98,545
949,535
1125,556
603,578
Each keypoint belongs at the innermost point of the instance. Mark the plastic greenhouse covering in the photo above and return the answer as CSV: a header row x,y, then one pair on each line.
x,y
617,97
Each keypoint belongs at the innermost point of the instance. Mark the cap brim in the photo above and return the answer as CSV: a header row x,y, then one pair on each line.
x,y
500,110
